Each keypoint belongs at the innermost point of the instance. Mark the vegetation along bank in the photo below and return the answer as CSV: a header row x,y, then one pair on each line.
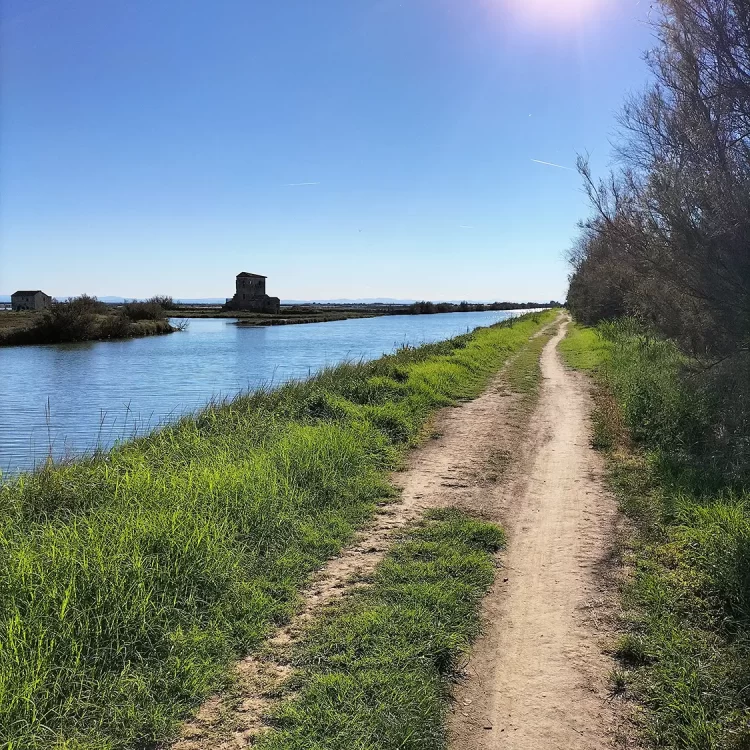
x,y
84,318
331,312
684,486
662,270
132,579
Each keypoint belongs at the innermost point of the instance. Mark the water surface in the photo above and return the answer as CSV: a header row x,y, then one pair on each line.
x,y
68,399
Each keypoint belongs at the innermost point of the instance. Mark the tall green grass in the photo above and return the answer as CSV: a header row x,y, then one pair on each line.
x,y
131,579
687,603
584,348
373,673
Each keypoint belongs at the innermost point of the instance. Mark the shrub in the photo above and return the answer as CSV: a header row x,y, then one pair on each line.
x,y
143,311
74,320
164,301
115,327
82,304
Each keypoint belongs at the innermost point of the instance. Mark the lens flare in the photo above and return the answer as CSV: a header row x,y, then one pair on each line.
x,y
554,12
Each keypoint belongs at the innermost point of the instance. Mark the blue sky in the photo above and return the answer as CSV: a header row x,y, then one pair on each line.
x,y
345,148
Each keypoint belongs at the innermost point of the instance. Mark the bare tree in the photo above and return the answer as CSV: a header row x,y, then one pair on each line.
x,y
670,236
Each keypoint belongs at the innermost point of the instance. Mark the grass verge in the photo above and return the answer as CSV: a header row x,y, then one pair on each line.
x,y
686,653
130,580
525,372
374,672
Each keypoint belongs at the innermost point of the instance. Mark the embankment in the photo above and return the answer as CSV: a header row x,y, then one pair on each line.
x,y
681,479
131,580
328,313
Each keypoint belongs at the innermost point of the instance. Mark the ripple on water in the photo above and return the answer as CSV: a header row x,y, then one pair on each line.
x,y
68,399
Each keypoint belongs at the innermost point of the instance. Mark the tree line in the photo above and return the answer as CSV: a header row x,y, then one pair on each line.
x,y
669,238
668,241
430,308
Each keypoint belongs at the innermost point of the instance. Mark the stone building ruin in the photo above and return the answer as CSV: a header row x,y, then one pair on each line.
x,y
251,295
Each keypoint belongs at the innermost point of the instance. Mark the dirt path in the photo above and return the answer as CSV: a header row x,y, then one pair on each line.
x,y
473,448
537,678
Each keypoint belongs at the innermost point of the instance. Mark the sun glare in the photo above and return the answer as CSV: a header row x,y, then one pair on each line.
x,y
554,12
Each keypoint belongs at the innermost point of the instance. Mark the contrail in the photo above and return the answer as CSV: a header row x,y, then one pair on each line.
x,y
550,164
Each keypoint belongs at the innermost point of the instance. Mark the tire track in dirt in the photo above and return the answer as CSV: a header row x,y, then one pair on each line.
x,y
475,445
537,677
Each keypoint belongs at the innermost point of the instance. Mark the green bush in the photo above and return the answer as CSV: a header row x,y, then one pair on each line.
x,y
163,300
136,311
682,408
74,320
82,305
115,327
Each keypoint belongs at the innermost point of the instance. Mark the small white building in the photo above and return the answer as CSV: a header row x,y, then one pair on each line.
x,y
30,300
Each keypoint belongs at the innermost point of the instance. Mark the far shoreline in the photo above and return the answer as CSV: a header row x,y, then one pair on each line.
x,y
86,319
330,313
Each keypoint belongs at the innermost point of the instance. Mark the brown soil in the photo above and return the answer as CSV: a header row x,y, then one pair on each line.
x,y
537,678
